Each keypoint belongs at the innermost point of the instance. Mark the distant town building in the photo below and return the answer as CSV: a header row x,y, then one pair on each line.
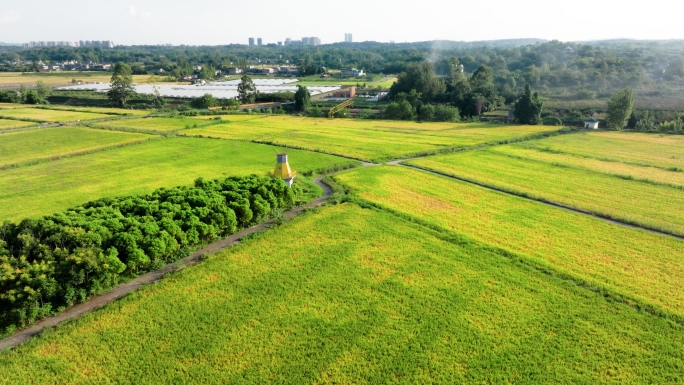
x,y
280,43
347,37
351,73
345,92
313,40
251,41
259,41
591,124
75,44
234,71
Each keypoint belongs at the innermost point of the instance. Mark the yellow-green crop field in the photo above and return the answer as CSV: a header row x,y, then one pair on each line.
x,y
658,150
153,124
46,143
365,139
46,188
7,124
15,105
364,297
385,84
655,206
632,262
102,110
18,78
50,115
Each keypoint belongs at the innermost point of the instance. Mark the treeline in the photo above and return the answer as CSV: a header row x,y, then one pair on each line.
x,y
62,259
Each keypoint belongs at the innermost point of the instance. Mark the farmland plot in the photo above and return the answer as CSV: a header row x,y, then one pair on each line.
x,y
364,297
631,262
49,115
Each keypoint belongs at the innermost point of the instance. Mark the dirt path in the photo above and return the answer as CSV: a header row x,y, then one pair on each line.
x,y
151,277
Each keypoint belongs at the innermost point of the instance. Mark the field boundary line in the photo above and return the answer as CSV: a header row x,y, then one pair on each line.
x,y
120,291
54,158
605,218
450,236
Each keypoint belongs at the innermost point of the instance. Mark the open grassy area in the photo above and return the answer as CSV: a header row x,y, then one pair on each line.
x,y
49,187
49,115
17,78
635,263
364,297
657,150
35,145
654,206
153,124
365,139
386,84
6,124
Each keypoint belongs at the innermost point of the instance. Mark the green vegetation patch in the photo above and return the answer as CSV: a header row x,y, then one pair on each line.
x,y
100,110
50,187
40,114
627,261
635,202
366,139
153,124
7,124
24,147
355,296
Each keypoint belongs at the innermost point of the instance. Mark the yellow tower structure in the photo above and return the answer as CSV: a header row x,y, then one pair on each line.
x,y
283,170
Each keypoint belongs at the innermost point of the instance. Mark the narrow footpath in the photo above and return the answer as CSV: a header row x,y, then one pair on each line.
x,y
95,303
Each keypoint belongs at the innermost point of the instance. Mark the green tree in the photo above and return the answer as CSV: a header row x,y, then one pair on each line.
x,y
528,108
483,96
121,89
302,99
246,90
620,108
420,77
315,112
207,73
203,102
43,89
446,114
426,113
400,111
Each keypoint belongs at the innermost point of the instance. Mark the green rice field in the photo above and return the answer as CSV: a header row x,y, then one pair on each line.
x,y
46,188
48,143
49,115
102,110
364,297
152,124
7,124
645,204
364,139
628,261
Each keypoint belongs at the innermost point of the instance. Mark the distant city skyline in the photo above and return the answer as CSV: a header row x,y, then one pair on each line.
x,y
153,22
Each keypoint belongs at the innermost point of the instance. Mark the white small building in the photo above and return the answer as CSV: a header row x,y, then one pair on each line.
x,y
592,124
351,73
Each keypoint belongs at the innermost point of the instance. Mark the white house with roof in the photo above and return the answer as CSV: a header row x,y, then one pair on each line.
x,y
591,124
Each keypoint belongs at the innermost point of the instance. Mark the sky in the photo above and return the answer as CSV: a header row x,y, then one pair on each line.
x,y
212,22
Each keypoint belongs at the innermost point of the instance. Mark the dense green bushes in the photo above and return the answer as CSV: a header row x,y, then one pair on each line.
x,y
62,259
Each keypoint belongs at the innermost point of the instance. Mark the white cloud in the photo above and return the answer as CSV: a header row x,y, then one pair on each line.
x,y
132,11
9,17
145,15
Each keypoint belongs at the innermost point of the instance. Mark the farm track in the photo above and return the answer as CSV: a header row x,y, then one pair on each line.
x,y
153,276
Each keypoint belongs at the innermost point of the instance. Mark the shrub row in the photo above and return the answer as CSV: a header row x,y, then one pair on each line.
x,y
62,259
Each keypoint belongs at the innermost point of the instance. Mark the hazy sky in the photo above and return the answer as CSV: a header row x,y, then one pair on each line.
x,y
228,21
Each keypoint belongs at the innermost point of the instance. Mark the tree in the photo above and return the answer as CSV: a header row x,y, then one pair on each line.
x,y
302,99
315,112
426,113
121,89
203,102
483,96
33,97
528,108
43,89
400,111
420,77
246,90
207,73
446,114
620,108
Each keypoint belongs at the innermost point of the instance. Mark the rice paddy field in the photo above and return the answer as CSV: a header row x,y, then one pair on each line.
x,y
66,78
45,188
374,140
623,260
15,105
49,115
365,297
153,124
56,142
102,110
654,206
8,124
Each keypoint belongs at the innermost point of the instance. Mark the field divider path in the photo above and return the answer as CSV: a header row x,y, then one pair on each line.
x,y
542,201
120,291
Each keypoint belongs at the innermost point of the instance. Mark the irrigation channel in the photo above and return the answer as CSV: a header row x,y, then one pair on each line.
x,y
95,303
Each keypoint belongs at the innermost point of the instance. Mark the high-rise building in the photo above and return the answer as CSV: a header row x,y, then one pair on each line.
x,y
251,41
347,37
259,41
288,41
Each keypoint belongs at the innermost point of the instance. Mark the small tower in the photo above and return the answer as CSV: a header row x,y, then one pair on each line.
x,y
282,170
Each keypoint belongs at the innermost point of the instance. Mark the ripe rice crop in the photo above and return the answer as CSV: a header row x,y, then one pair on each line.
x,y
7,124
50,187
632,262
34,145
39,114
365,139
363,297
153,124
635,202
